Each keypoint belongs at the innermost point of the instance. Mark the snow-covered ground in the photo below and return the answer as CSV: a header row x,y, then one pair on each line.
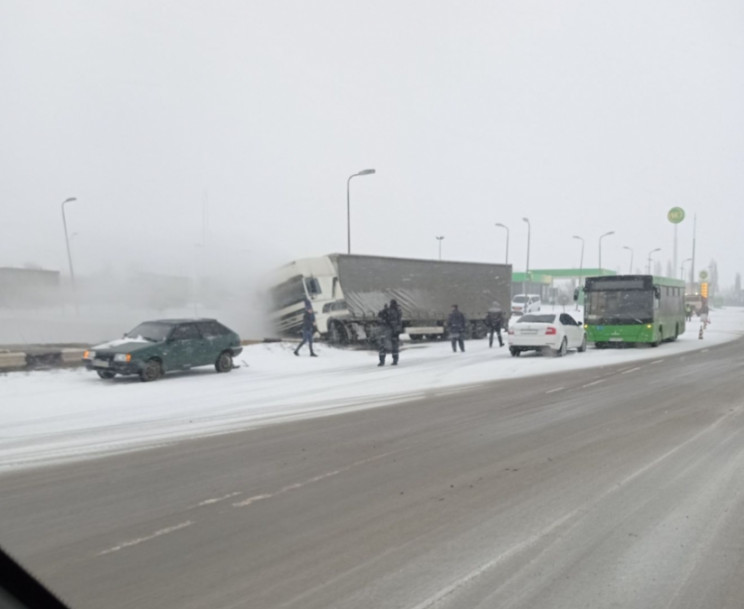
x,y
69,414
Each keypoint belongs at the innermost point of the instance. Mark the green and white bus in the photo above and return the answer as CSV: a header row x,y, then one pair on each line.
x,y
633,309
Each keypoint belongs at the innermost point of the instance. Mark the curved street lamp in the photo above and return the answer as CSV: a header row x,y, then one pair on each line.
x,y
658,249
363,172
607,234
504,226
630,267
67,244
439,238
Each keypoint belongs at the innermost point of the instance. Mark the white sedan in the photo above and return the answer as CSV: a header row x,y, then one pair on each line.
x,y
553,333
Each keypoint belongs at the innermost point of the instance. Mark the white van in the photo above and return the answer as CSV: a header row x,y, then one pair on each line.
x,y
525,303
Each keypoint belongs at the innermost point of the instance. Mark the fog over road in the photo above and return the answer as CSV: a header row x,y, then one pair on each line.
x,y
617,486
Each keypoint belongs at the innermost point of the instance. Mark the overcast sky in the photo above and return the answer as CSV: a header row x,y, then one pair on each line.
x,y
241,121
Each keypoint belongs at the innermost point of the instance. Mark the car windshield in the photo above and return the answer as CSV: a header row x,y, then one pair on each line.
x,y
541,319
150,330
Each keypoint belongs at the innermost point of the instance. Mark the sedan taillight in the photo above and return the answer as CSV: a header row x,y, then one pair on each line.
x,y
551,330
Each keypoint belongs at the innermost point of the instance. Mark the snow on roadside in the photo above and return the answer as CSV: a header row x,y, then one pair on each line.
x,y
70,414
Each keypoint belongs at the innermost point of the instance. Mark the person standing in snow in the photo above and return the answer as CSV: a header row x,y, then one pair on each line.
x,y
456,328
391,325
494,323
308,329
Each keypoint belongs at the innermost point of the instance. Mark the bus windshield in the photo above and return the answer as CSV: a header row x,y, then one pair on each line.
x,y
619,307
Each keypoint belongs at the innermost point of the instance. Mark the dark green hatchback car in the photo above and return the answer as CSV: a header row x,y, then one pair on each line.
x,y
156,347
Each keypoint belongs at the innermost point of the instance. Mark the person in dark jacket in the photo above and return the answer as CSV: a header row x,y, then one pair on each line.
x,y
308,329
456,328
494,323
391,325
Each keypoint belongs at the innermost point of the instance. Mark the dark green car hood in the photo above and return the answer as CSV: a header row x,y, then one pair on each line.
x,y
124,345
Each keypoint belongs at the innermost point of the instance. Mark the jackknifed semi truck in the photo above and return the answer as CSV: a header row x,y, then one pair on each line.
x,y
347,291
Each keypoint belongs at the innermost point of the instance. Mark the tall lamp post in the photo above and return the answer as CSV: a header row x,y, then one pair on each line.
x,y
682,268
439,238
69,255
505,227
607,234
527,267
581,266
630,266
363,172
658,249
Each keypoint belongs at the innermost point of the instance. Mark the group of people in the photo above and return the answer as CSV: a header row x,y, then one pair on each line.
x,y
391,326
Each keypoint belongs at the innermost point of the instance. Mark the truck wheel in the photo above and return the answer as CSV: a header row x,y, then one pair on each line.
x,y
224,362
479,330
337,333
152,371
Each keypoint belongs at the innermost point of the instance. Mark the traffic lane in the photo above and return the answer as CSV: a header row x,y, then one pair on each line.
x,y
394,505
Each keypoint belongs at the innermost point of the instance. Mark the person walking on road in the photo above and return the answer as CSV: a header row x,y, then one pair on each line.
x,y
494,323
308,329
456,328
391,325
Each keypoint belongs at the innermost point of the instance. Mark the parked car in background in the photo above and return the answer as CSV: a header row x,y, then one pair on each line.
x,y
552,333
526,303
156,347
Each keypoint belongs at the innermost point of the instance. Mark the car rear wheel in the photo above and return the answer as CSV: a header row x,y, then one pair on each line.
x,y
106,374
224,362
152,371
514,351
563,349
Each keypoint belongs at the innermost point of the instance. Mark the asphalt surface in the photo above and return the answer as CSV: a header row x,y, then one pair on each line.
x,y
609,487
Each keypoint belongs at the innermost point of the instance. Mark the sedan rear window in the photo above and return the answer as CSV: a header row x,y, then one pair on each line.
x,y
540,319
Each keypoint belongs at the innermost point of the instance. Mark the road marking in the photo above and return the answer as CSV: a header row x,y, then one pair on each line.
x,y
705,350
629,370
658,361
217,499
298,485
593,383
139,540
555,390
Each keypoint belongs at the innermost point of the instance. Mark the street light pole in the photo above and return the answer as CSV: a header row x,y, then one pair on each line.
x,y
682,269
69,255
581,265
527,267
658,249
607,234
630,267
506,256
439,238
363,172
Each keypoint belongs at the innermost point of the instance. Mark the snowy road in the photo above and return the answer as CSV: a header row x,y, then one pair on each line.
x,y
603,487
71,414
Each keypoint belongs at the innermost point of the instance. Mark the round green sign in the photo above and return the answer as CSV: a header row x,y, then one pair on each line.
x,y
703,274
676,215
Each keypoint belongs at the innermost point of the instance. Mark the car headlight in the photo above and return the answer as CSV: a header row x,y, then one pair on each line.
x,y
123,357
89,355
